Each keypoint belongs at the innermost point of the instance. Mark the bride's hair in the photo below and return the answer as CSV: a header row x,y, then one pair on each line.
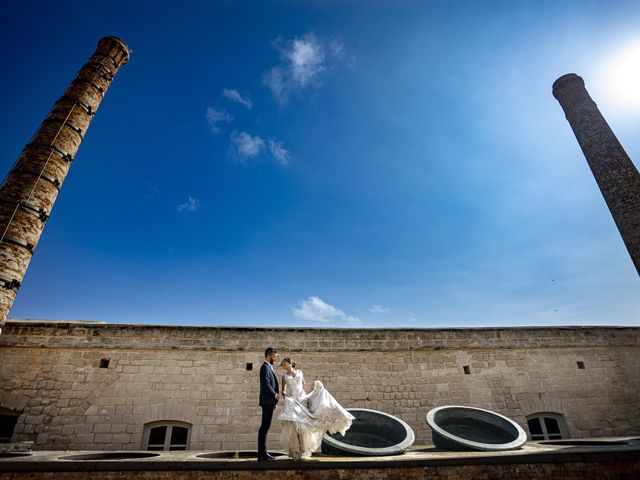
x,y
288,360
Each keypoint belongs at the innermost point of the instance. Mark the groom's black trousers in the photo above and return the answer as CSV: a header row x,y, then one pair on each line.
x,y
267,415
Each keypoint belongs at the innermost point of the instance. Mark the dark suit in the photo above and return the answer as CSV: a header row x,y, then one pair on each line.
x,y
268,391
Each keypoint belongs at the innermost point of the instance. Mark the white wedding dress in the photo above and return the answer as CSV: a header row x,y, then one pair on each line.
x,y
306,417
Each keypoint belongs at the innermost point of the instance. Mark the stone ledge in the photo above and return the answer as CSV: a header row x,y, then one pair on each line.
x,y
533,453
46,334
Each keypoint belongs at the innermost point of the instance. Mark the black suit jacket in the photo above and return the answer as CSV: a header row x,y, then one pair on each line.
x,y
268,385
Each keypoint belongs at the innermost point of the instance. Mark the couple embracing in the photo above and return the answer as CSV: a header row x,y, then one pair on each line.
x,y
305,417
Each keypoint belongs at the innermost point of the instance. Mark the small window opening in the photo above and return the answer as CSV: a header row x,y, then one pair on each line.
x,y
8,421
580,365
156,438
7,426
249,367
467,370
167,436
547,426
104,363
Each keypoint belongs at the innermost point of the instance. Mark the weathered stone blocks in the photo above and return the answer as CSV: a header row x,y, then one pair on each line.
x,y
50,372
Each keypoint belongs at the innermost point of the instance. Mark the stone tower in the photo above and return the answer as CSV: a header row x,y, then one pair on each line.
x,y
616,175
31,187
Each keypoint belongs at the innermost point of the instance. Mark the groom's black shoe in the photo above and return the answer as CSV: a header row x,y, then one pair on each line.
x,y
269,456
265,458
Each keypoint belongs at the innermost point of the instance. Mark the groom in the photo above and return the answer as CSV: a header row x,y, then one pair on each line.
x,y
268,400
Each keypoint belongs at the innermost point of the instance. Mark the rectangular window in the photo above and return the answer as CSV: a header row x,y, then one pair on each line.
x,y
7,426
169,436
543,427
535,428
178,438
157,436
553,428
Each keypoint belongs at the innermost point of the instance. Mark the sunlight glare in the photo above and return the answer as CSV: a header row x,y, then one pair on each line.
x,y
623,77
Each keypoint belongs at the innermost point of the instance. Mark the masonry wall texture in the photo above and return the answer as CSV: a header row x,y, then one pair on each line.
x,y
50,373
32,186
533,471
563,471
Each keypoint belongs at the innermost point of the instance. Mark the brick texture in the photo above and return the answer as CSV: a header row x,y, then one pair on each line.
x,y
31,188
616,175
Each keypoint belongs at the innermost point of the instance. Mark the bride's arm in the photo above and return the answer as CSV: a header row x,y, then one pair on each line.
x,y
283,385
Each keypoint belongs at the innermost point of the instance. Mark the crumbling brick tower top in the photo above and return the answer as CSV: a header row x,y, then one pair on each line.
x,y
616,175
31,187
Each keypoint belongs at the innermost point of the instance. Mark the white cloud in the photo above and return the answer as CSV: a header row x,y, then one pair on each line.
x,y
352,320
317,310
303,60
217,116
191,205
278,152
306,57
276,81
246,146
378,309
235,96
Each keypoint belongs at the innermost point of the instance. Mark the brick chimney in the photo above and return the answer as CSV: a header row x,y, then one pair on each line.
x,y
31,187
616,175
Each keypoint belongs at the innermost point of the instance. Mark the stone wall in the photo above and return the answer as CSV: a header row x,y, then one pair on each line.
x,y
562,471
51,373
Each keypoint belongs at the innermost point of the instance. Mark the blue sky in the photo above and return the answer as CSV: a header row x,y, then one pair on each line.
x,y
325,163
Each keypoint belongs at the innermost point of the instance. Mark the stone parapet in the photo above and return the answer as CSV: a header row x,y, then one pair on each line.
x,y
33,333
534,461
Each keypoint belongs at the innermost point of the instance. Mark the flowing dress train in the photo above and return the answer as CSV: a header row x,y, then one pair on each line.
x,y
306,417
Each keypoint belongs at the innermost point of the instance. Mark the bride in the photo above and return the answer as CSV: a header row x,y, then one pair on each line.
x,y
306,417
